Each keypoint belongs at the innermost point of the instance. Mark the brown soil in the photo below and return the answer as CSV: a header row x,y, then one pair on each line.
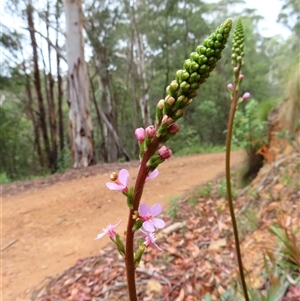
x,y
52,227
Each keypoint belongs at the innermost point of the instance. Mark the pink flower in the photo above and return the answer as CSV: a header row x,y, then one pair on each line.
x,y
229,86
246,96
150,131
140,134
110,230
148,216
121,183
150,239
241,76
165,152
152,174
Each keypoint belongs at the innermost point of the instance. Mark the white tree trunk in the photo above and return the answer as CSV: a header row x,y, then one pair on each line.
x,y
141,68
81,129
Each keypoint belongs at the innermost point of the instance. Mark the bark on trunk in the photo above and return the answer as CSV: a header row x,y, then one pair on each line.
x,y
34,122
37,82
110,121
140,63
51,104
81,130
103,151
59,85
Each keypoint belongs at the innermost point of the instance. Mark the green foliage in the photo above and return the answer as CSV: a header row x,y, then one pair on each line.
x,y
63,160
249,131
17,145
205,191
208,111
222,189
192,201
173,208
290,248
4,179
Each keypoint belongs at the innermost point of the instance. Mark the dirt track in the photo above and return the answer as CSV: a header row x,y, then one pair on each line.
x,y
55,226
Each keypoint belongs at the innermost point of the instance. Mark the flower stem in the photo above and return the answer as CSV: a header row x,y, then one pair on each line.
x,y
228,184
138,191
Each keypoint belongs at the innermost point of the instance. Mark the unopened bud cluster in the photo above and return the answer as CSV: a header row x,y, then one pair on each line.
x,y
238,45
195,71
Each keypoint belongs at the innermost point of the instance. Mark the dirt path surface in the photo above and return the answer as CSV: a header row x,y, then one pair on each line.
x,y
54,226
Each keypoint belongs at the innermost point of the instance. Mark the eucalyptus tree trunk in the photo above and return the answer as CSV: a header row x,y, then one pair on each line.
x,y
50,96
59,79
38,85
109,117
140,63
81,129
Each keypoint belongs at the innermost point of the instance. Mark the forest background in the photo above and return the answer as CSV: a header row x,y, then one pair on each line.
x,y
132,50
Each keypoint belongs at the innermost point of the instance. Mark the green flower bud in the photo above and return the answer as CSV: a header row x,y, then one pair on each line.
x,y
139,253
190,100
218,44
201,49
180,103
156,159
160,104
209,52
238,45
159,110
219,37
137,225
213,36
177,114
203,69
184,86
170,91
120,245
212,60
174,86
169,100
194,77
187,64
195,86
194,67
129,195
194,56
182,75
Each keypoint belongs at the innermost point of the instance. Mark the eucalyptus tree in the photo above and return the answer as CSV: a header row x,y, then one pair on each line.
x,y
81,129
104,25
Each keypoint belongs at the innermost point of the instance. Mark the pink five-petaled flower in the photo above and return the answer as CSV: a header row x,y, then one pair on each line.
x,y
140,134
148,216
150,239
246,96
121,182
164,152
109,230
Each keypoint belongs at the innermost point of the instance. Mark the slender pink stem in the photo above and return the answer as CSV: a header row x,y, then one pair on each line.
x,y
138,191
